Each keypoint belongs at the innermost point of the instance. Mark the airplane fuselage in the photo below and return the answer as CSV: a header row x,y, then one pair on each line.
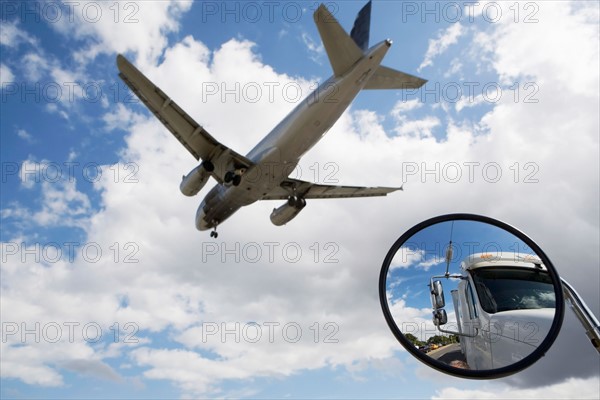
x,y
277,155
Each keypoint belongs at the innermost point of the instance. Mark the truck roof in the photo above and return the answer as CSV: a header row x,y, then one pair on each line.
x,y
495,259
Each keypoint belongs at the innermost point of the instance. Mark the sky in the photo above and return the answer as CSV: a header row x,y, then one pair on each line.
x,y
423,256
108,290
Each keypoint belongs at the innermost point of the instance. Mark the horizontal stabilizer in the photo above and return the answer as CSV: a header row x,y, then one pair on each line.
x,y
388,78
342,51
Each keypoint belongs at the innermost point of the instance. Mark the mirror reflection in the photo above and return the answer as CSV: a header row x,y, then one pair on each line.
x,y
470,295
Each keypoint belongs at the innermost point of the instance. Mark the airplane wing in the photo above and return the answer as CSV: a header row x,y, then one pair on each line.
x,y
189,133
309,190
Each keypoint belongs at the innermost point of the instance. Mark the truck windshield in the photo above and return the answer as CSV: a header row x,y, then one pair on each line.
x,y
505,288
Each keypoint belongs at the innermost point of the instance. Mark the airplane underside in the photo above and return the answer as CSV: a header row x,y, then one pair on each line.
x,y
221,202
263,174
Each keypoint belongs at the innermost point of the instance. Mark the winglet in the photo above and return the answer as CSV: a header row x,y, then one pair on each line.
x,y
121,61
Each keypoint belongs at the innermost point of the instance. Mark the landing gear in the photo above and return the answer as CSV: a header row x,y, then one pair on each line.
x,y
208,166
231,178
296,202
228,178
214,233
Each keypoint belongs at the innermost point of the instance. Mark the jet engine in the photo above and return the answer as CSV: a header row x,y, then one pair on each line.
x,y
193,182
287,212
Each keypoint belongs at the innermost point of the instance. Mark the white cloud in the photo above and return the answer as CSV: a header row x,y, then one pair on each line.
x,y
14,210
426,265
316,51
572,388
29,173
456,66
58,86
93,368
12,36
61,203
141,28
64,88
406,126
403,106
72,156
579,59
439,45
35,66
407,257
53,108
121,118
23,363
26,136
468,102
422,128
6,74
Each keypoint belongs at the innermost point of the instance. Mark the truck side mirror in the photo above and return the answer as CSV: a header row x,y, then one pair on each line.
x,y
437,295
440,317
507,304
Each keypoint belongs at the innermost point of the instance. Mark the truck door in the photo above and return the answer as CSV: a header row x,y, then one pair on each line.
x,y
481,354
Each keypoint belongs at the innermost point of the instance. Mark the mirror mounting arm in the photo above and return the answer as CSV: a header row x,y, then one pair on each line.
x,y
583,313
459,333
445,276
448,276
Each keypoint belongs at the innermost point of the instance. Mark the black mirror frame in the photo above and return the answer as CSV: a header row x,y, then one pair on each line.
x,y
467,373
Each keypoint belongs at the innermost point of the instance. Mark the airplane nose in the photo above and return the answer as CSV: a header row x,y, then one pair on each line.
x,y
201,223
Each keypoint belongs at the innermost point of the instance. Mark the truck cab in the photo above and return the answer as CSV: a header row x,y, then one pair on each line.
x,y
504,305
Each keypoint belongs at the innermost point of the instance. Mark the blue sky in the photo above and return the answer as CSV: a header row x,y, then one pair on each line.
x,y
96,233
423,256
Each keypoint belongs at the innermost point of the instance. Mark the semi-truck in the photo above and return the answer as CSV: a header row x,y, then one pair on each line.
x,y
504,305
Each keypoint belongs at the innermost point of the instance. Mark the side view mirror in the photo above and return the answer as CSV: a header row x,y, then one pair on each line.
x,y
440,317
507,298
437,295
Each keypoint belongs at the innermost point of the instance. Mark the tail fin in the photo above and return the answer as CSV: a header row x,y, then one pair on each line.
x,y
341,49
362,27
345,50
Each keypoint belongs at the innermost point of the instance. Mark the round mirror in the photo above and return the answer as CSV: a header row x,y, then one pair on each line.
x,y
471,296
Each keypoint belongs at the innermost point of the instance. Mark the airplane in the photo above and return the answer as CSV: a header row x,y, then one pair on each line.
x,y
263,173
